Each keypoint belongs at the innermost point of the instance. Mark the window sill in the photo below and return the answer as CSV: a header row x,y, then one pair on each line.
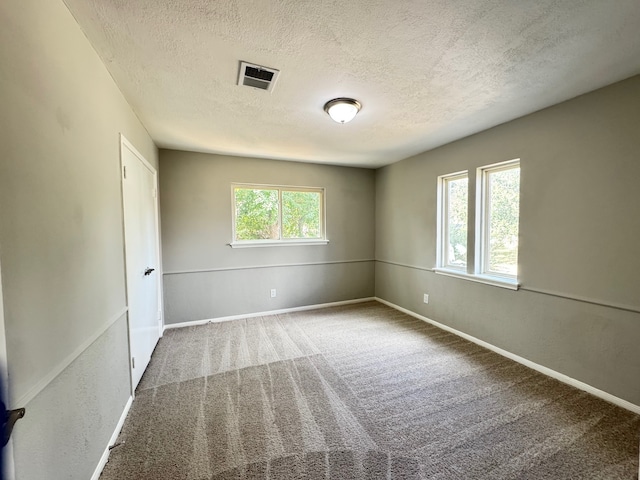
x,y
280,243
502,282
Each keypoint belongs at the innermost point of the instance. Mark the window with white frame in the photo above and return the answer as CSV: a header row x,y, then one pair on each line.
x,y
267,215
497,209
453,220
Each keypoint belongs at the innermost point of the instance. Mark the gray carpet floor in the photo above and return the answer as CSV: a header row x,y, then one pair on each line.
x,y
359,392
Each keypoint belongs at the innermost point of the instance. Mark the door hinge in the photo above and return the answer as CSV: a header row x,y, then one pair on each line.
x,y
124,172
154,192
133,362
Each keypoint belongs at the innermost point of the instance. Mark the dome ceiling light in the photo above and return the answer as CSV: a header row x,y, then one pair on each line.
x,y
342,110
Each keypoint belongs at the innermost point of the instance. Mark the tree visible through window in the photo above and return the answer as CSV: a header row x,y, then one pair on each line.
x,y
456,203
301,214
277,213
257,216
501,214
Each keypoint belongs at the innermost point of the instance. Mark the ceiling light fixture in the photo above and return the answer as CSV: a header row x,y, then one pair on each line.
x,y
342,110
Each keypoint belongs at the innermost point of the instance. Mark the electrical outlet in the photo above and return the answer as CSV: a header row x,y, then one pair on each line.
x,y
273,293
426,298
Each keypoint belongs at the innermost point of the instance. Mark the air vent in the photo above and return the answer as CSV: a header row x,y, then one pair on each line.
x,y
257,76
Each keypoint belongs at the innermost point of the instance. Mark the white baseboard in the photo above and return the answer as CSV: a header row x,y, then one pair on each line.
x,y
112,440
544,370
270,312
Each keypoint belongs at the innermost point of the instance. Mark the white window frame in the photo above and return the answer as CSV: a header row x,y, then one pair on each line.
x,y
483,216
475,270
442,254
322,240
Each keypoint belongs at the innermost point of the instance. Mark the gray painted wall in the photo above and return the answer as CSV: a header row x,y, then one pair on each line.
x,y
195,200
579,229
61,238
68,425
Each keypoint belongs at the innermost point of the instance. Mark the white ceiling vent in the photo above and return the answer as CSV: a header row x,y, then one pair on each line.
x,y
256,76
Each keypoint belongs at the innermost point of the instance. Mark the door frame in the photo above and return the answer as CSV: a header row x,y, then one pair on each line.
x,y
124,143
9,465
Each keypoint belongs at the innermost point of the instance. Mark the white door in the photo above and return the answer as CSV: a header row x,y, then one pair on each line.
x,y
142,261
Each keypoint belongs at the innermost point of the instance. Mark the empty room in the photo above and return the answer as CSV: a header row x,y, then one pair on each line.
x,y
280,239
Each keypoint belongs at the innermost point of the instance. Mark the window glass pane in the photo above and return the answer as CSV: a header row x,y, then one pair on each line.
x,y
256,214
457,191
503,208
301,215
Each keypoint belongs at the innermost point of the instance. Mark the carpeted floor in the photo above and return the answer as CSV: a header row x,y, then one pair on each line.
x,y
359,392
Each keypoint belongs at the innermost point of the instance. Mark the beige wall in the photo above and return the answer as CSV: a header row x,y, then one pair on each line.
x,y
205,278
579,229
61,238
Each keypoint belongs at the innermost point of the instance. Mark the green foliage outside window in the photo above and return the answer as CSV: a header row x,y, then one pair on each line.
x,y
301,214
457,206
258,212
504,212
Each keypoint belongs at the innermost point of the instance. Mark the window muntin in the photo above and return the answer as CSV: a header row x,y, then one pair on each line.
x,y
499,219
268,214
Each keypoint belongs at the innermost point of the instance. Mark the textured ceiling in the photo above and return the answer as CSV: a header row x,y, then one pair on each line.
x,y
427,72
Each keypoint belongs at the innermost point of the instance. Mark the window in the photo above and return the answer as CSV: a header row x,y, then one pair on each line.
x,y
453,213
497,209
274,215
500,209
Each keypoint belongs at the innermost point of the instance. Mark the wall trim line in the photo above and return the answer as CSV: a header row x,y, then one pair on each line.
x,y
566,296
62,366
275,265
406,265
577,298
267,313
528,363
114,436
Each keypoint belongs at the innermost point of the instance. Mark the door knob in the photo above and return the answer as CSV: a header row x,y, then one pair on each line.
x,y
148,271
